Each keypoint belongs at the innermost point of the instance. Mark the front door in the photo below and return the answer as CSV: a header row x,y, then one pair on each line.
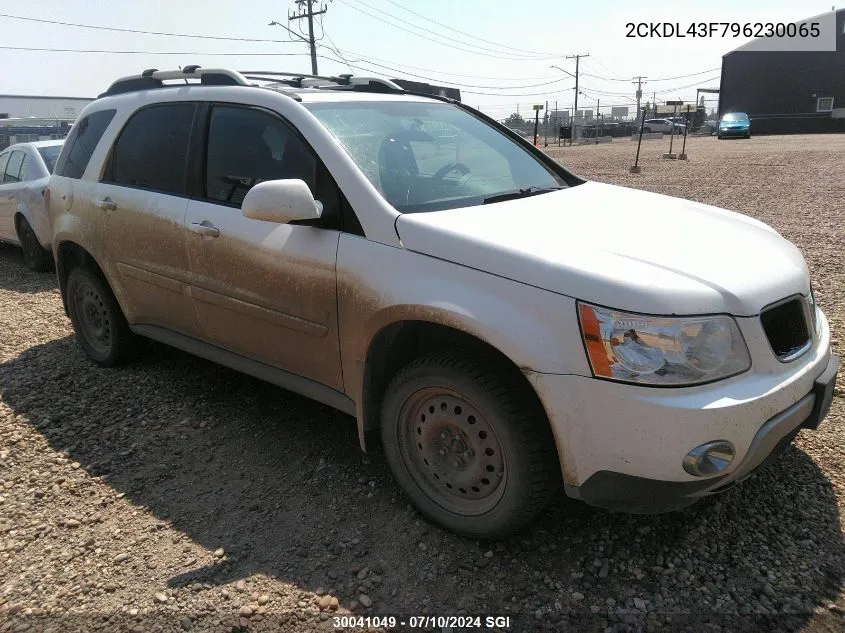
x,y
261,289
143,197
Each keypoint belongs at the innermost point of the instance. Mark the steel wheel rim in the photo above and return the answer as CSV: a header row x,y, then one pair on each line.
x,y
451,451
93,318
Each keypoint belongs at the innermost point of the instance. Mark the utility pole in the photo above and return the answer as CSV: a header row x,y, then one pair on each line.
x,y
639,81
305,10
577,59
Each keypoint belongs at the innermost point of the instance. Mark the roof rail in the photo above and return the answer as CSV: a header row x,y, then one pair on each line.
x,y
153,78
299,80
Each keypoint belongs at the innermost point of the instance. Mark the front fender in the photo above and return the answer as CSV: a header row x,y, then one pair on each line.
x,y
380,285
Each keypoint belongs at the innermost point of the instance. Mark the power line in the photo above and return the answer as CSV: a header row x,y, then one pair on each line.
x,y
458,84
448,38
348,52
121,30
124,52
481,39
473,92
702,72
482,52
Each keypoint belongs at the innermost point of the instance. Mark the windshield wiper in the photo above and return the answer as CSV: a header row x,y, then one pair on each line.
x,y
519,193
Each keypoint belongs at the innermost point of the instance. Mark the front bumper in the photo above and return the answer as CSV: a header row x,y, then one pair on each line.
x,y
622,446
735,131
627,493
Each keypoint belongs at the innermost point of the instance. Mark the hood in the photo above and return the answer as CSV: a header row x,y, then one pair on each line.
x,y
619,247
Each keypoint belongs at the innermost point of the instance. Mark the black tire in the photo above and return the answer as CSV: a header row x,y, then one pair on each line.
x,y
506,467
101,329
719,136
747,136
37,258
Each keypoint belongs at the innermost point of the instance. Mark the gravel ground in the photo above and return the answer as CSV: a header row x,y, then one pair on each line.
x,y
177,495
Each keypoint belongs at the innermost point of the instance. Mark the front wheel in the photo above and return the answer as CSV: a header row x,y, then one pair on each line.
x,y
37,258
468,446
101,328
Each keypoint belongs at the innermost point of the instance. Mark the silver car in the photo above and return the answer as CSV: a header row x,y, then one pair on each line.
x,y
24,171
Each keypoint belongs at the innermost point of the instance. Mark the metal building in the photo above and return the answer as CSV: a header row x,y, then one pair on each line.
x,y
789,85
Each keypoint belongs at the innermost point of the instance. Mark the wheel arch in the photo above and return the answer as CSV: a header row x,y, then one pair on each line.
x,y
69,256
398,343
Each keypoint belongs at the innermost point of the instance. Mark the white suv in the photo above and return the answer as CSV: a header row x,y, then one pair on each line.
x,y
502,324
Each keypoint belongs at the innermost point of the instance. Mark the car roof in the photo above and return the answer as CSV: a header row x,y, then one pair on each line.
x,y
35,144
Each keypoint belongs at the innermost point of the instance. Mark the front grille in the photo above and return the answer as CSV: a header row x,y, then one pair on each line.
x,y
785,325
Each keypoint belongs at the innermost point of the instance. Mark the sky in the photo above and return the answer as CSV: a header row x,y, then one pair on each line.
x,y
500,54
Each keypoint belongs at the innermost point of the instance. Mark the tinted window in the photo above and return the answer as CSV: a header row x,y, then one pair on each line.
x,y
4,159
152,151
81,143
49,156
247,146
13,168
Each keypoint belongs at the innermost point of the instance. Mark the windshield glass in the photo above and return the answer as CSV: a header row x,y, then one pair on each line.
x,y
50,155
432,156
735,116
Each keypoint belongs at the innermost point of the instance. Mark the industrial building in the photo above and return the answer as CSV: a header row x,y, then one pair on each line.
x,y
789,91
25,118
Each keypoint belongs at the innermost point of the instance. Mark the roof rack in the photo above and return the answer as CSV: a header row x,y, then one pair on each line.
x,y
340,82
154,78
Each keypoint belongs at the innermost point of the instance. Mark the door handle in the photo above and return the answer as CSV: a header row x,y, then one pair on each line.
x,y
205,228
107,203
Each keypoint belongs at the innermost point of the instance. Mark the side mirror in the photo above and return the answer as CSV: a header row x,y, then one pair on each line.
x,y
281,201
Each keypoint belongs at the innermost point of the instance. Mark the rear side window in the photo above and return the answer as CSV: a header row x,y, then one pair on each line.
x,y
152,150
81,143
4,159
13,168
49,156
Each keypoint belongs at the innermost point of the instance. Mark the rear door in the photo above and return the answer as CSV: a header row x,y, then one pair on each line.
x,y
263,290
143,197
5,200
9,192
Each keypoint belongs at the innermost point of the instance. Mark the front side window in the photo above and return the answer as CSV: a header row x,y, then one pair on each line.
x,y
81,143
152,150
428,156
247,146
13,168
49,155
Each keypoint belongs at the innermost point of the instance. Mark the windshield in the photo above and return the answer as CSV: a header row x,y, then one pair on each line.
x,y
735,116
433,156
50,154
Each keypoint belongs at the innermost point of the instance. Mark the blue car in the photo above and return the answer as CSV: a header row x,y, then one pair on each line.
x,y
734,124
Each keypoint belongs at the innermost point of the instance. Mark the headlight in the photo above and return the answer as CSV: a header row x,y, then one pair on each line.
x,y
663,351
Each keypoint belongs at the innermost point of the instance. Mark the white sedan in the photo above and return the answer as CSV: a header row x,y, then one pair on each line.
x,y
662,125
24,171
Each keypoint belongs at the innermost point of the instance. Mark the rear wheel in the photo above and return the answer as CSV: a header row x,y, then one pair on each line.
x,y
101,328
37,258
471,450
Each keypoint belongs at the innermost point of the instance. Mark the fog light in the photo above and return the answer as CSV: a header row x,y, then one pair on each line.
x,y
709,459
